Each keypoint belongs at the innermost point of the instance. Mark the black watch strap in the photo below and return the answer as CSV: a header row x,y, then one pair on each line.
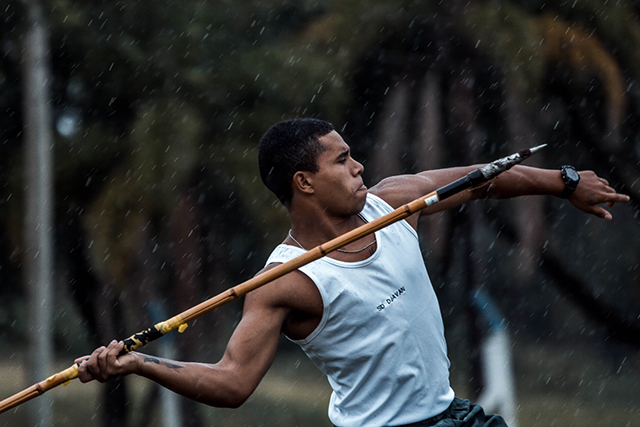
x,y
571,178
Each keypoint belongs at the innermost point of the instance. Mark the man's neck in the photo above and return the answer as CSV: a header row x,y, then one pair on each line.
x,y
315,228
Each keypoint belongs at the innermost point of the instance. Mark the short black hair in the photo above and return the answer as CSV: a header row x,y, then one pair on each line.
x,y
288,147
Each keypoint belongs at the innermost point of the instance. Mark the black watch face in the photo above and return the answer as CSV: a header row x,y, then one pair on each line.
x,y
572,174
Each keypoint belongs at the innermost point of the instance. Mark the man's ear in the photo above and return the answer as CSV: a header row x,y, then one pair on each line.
x,y
302,182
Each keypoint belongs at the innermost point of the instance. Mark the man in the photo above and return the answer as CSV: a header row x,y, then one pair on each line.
x,y
366,315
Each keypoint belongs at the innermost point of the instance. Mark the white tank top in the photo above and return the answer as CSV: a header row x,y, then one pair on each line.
x,y
380,341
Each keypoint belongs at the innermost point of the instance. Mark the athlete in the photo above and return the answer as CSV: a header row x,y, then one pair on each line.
x,y
366,315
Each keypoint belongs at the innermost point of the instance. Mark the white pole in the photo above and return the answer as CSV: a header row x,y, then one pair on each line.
x,y
38,226
499,394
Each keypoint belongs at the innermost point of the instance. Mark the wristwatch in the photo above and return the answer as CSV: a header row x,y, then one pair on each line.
x,y
571,178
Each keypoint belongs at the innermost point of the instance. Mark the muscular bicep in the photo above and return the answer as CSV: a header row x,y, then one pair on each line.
x,y
253,345
248,356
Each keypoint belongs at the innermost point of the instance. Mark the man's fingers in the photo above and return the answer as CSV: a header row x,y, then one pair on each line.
x,y
85,373
113,351
79,360
104,362
594,191
601,212
83,376
612,199
608,196
92,366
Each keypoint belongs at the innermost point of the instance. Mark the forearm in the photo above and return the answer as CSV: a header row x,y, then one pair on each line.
x,y
522,181
211,384
228,383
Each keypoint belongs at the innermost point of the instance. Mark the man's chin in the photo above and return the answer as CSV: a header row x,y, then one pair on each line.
x,y
362,199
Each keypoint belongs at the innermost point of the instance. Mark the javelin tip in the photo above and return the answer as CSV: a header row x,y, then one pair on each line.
x,y
537,148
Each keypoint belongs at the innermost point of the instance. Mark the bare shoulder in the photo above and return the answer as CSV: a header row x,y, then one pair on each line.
x,y
293,299
401,189
294,291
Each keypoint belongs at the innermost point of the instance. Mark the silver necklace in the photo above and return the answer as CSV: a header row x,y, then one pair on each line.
x,y
342,250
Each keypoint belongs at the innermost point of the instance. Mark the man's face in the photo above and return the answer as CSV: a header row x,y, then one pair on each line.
x,y
338,182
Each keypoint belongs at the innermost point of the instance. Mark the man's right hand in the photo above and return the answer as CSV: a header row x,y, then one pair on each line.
x,y
104,363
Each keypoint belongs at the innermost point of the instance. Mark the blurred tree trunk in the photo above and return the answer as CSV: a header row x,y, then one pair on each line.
x,y
428,150
389,148
111,326
467,132
187,254
149,276
530,212
38,265
98,306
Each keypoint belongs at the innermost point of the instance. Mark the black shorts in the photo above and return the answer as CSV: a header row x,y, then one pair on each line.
x,y
462,413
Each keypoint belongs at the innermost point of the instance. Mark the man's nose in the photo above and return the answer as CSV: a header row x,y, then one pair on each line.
x,y
358,168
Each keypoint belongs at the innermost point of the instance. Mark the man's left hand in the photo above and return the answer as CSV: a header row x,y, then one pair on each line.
x,y
593,191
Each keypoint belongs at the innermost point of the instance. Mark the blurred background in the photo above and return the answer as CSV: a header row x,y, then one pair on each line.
x,y
129,189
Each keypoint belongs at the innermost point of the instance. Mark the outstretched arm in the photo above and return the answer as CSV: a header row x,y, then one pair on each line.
x,y
591,192
228,383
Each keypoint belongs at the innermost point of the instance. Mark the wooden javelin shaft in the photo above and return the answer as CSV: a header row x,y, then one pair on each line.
x,y
180,321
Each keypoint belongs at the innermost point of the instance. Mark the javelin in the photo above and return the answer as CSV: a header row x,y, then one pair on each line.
x,y
472,179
